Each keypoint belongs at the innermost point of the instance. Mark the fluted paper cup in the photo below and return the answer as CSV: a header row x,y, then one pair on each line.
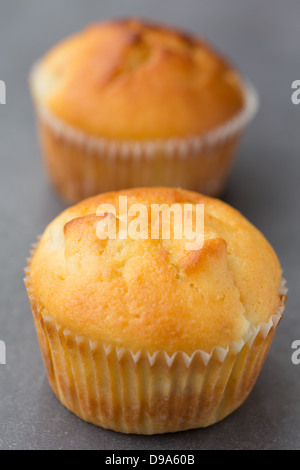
x,y
81,166
142,393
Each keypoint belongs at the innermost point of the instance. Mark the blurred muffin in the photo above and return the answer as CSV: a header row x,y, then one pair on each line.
x,y
127,103
144,336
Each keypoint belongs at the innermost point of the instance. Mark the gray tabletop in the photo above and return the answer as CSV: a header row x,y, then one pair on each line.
x,y
262,38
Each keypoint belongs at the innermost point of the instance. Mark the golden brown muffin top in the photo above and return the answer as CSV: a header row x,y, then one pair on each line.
x,y
154,294
134,80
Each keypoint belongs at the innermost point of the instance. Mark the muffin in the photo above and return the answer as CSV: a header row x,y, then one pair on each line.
x,y
127,103
142,335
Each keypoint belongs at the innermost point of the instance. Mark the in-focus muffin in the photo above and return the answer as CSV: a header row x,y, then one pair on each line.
x,y
128,103
144,336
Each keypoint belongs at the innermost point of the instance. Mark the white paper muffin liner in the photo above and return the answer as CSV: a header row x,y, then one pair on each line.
x,y
149,393
81,165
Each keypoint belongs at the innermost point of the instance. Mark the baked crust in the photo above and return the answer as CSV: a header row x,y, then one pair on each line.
x,y
153,294
134,80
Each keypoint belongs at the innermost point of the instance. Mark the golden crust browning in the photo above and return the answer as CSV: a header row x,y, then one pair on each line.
x,y
135,80
153,294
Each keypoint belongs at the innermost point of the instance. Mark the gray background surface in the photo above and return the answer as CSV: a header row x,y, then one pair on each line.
x,y
262,37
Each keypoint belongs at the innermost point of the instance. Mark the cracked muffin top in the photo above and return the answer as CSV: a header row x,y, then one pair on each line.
x,y
154,294
134,80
